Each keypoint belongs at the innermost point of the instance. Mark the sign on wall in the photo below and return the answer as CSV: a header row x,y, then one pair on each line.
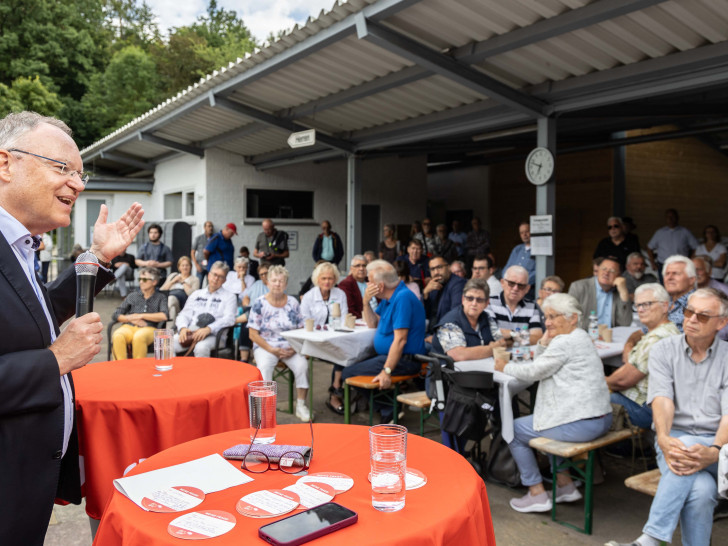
x,y
292,240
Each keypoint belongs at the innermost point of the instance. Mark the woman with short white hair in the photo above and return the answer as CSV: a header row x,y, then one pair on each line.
x,y
317,303
572,403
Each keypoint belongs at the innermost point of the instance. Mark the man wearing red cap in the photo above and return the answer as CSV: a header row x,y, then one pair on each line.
x,y
220,248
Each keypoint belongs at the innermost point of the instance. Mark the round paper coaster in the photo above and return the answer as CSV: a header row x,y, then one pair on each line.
x,y
268,503
340,482
414,478
202,524
312,493
173,499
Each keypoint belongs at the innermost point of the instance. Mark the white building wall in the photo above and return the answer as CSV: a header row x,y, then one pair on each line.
x,y
117,204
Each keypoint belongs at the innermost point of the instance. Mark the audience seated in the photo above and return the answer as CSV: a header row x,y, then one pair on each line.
x,y
617,244
712,246
389,248
447,247
239,280
483,268
355,284
417,263
635,274
252,264
259,288
403,273
552,284
207,311
679,278
629,382
369,256
458,268
179,286
606,294
318,302
703,274
572,403
690,414
271,314
141,312
428,238
511,309
400,323
123,267
444,291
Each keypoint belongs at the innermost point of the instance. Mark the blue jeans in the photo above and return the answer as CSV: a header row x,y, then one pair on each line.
x,y
373,366
583,430
689,499
640,416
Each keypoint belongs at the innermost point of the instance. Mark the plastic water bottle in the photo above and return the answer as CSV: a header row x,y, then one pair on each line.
x,y
593,326
525,343
494,330
516,351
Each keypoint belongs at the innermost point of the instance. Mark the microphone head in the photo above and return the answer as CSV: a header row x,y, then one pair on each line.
x,y
87,264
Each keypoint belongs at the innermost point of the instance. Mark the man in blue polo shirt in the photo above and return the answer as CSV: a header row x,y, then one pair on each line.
x,y
400,323
220,247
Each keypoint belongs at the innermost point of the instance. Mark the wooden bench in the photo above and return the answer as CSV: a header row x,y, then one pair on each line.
x,y
579,451
365,382
646,482
418,400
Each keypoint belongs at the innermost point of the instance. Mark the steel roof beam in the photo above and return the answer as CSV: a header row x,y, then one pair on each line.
x,y
275,121
184,148
293,160
448,67
240,132
130,161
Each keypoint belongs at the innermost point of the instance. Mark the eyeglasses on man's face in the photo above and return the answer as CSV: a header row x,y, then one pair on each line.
x,y
703,318
520,285
59,166
291,462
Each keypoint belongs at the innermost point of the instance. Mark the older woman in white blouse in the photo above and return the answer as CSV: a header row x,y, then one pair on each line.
x,y
572,403
318,302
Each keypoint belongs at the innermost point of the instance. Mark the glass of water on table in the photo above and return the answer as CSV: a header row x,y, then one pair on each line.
x,y
163,349
262,398
388,463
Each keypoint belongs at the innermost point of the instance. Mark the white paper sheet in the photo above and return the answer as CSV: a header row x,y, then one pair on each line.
x,y
210,474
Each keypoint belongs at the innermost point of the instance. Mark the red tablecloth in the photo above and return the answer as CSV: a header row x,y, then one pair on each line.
x,y
452,508
127,411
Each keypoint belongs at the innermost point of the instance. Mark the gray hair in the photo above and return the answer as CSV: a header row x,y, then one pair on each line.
x,y
223,266
518,270
152,272
634,255
564,304
678,259
616,219
320,269
554,279
707,261
14,127
382,271
658,291
277,270
477,284
358,258
242,260
713,293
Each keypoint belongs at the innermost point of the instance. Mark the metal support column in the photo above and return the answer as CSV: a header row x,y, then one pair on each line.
x,y
353,210
619,192
546,195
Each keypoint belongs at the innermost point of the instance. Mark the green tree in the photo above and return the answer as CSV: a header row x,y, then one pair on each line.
x,y
28,94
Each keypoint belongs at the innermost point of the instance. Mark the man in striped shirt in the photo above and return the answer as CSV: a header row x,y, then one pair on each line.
x,y
511,310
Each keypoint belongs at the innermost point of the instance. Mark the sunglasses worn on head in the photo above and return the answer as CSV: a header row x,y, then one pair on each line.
x,y
702,317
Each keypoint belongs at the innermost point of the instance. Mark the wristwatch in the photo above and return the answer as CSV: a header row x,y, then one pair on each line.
x,y
387,370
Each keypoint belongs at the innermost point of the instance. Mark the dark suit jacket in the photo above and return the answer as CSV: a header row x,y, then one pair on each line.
x,y
440,302
32,473
353,296
586,294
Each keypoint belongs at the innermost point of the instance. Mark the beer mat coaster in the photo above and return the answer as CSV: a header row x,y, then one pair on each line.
x,y
200,525
268,503
272,451
312,493
414,478
340,482
173,499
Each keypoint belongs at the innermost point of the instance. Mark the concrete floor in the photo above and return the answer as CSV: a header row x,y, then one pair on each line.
x,y
619,513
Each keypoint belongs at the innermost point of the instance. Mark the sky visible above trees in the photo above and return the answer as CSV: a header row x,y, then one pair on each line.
x,y
99,64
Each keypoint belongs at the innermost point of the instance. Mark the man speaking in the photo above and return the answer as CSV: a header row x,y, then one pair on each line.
x,y
41,175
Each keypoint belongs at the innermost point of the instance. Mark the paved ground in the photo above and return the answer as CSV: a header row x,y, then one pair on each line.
x,y
619,513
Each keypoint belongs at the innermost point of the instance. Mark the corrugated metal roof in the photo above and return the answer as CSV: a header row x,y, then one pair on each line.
x,y
365,69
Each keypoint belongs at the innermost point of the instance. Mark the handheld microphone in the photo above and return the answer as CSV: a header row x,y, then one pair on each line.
x,y
87,266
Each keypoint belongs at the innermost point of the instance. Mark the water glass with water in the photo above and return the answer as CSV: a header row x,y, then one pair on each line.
x,y
388,463
163,349
262,399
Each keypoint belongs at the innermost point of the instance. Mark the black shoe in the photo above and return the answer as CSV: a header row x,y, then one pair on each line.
x,y
339,408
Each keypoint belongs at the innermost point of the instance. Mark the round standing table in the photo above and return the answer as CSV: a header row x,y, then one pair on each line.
x,y
451,508
127,411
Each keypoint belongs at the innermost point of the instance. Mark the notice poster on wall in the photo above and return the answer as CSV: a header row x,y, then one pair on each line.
x,y
542,246
292,240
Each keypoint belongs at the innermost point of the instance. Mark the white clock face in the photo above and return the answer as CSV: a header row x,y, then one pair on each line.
x,y
539,166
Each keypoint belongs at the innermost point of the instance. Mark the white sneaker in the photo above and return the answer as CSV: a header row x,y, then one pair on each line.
x,y
302,411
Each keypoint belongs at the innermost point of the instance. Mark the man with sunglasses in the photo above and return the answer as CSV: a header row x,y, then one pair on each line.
x,y
616,244
688,392
512,310
606,293
41,176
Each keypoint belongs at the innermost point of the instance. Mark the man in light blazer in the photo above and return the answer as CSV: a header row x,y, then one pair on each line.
x,y
606,293
40,178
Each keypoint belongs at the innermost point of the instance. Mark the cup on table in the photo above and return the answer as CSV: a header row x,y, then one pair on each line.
x,y
499,353
309,324
607,335
350,321
601,328
336,309
388,464
262,400
163,349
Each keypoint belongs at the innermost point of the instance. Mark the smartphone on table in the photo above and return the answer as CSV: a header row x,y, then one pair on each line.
x,y
305,526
